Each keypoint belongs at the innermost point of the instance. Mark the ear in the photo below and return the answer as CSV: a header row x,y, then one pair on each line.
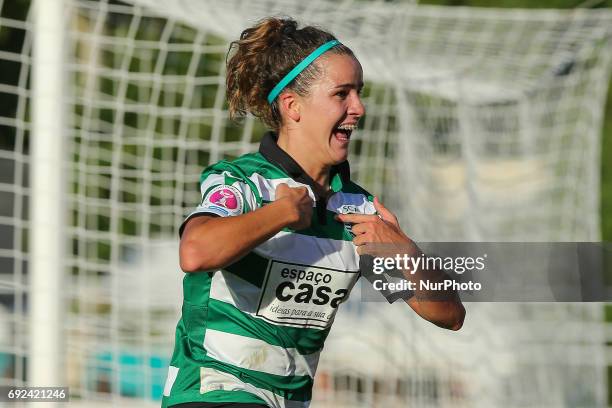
x,y
289,104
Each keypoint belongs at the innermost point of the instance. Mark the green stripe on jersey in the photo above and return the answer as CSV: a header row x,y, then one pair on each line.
x,y
332,229
245,166
233,396
252,268
220,396
196,287
227,318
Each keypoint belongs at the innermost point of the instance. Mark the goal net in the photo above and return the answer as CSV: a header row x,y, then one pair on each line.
x,y
481,125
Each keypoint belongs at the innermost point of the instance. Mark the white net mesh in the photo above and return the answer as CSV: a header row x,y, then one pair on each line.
x,y
481,124
14,194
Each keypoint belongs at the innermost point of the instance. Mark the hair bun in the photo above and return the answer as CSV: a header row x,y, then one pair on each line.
x,y
289,27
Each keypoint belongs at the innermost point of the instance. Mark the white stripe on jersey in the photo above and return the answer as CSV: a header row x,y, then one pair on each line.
x,y
229,288
257,355
214,380
267,187
310,250
172,373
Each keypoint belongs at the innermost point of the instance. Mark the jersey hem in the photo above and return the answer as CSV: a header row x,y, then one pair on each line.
x,y
212,396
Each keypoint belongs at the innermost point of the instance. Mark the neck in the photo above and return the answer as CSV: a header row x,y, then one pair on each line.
x,y
294,146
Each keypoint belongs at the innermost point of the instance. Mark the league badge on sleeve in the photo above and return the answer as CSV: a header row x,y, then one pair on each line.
x,y
224,200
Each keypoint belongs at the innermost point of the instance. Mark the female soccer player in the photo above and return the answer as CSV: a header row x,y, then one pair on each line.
x,y
267,258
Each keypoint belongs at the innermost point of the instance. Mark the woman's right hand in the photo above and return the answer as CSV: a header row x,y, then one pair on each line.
x,y
211,243
297,204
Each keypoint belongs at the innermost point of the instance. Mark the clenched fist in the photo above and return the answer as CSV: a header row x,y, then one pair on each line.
x,y
297,205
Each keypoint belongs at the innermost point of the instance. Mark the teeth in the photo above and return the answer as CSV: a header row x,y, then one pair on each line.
x,y
347,127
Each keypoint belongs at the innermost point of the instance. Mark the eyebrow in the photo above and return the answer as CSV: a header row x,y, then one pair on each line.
x,y
349,85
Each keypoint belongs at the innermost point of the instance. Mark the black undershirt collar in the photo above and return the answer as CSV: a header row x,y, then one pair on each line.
x,y
270,150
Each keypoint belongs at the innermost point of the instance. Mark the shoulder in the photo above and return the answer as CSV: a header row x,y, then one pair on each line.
x,y
232,179
244,167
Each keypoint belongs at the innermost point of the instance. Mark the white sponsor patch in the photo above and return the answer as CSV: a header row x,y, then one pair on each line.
x,y
348,203
223,199
302,295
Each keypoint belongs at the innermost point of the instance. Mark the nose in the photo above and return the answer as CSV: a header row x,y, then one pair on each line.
x,y
356,107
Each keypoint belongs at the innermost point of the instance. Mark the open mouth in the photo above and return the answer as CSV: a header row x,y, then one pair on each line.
x,y
343,132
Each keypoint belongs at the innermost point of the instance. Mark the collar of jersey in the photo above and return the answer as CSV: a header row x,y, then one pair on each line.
x,y
340,173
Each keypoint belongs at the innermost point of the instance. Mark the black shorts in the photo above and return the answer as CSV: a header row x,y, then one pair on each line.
x,y
217,405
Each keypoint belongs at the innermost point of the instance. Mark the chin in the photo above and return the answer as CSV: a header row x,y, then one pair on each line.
x,y
338,157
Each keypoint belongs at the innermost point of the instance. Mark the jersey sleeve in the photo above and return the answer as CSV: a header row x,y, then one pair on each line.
x,y
224,194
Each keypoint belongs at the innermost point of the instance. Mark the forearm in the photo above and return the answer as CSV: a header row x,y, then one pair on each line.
x,y
214,243
442,307
446,314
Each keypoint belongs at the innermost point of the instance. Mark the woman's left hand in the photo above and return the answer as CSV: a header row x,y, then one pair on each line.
x,y
384,229
371,229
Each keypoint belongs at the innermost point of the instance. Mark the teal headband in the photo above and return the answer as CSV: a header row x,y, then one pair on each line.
x,y
299,68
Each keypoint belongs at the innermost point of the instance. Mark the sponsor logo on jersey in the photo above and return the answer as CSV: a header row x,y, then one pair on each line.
x,y
221,210
349,209
305,296
224,199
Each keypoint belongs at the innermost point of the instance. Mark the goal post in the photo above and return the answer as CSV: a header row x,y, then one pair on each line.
x,y
48,200
481,124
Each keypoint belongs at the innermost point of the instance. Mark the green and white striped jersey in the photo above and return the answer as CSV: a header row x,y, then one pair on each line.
x,y
253,331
